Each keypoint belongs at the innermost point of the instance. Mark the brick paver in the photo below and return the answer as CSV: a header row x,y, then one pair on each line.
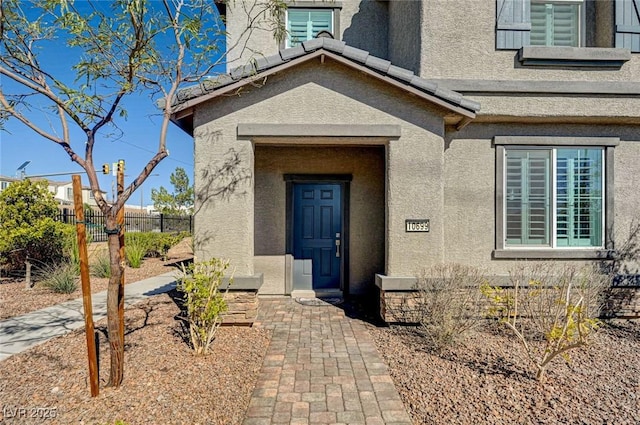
x,y
321,367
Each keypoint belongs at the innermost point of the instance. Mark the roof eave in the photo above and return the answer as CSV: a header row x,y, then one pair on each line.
x,y
183,113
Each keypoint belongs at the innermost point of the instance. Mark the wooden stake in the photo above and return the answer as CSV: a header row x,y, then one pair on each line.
x,y
120,221
86,286
27,276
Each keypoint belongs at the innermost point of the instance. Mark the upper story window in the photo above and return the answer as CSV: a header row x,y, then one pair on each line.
x,y
568,23
4,185
557,23
69,193
305,24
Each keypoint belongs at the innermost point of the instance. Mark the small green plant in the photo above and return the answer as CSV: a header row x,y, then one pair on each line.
x,y
205,304
29,229
135,252
557,305
101,266
447,302
61,278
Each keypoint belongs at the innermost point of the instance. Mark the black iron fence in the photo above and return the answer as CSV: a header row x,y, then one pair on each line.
x,y
133,222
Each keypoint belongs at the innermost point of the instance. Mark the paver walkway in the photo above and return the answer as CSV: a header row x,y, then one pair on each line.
x,y
321,367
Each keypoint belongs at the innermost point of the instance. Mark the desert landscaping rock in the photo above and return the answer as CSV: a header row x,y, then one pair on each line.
x,y
488,380
164,382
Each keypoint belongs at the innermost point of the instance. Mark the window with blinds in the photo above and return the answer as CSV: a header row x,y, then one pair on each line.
x,y
556,23
554,197
305,24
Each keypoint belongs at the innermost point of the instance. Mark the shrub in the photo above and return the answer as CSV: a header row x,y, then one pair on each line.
x,y
203,300
135,252
27,212
61,278
550,308
448,302
157,244
101,265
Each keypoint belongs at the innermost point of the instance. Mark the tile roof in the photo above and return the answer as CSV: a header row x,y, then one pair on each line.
x,y
358,56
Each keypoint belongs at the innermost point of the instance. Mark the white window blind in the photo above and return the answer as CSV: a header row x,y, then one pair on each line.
x,y
554,197
579,197
305,24
555,24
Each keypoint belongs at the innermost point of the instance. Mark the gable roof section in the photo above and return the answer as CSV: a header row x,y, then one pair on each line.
x,y
462,109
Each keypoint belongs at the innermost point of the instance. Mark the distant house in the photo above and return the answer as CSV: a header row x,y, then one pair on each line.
x,y
416,133
62,191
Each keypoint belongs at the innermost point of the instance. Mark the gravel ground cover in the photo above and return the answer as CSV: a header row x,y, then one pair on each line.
x,y
15,299
488,380
164,382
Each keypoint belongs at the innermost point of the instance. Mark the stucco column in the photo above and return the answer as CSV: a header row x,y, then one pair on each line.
x,y
414,191
224,186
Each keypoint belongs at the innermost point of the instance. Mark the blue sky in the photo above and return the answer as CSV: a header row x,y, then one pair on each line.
x,y
136,145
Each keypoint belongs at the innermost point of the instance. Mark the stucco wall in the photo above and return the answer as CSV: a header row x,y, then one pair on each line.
x,y
361,23
405,34
469,179
459,43
326,94
366,203
541,106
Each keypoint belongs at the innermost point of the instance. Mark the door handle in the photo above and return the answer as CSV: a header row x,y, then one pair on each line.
x,y
337,247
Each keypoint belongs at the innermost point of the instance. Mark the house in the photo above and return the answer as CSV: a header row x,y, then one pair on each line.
x,y
62,191
410,133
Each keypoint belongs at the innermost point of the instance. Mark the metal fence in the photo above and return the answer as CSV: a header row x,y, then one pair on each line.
x,y
133,222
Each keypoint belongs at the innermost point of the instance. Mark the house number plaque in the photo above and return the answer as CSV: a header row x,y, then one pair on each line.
x,y
416,225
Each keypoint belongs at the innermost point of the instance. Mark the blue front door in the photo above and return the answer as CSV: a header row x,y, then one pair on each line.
x,y
317,231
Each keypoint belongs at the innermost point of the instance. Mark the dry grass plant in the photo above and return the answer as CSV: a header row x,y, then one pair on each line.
x,y
448,302
551,308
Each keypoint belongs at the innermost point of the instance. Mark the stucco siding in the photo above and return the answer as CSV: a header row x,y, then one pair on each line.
x,y
470,182
459,43
223,214
364,24
360,23
405,34
531,107
328,94
414,191
366,203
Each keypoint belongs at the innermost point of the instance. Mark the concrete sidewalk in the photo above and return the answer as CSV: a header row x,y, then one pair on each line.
x,y
321,367
20,333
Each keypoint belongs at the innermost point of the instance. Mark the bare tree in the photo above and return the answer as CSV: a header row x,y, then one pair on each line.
x,y
116,50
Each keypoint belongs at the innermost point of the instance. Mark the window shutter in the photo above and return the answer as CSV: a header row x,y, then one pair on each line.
x,y
513,23
628,24
320,21
554,24
527,197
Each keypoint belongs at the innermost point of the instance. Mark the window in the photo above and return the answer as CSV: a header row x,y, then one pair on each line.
x,y
91,194
305,24
568,23
4,185
69,193
554,196
557,23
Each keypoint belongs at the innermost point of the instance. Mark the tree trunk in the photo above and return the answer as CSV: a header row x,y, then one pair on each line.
x,y
115,297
